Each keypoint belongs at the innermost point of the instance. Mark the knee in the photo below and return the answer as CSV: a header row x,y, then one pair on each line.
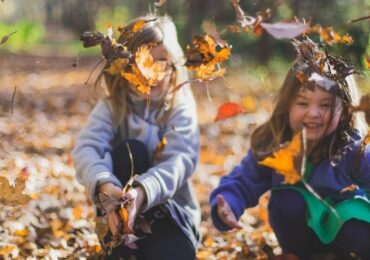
x,y
287,206
354,236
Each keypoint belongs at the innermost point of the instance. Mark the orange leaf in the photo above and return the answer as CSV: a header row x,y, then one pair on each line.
x,y
124,215
117,66
146,72
228,110
283,160
12,194
367,61
204,56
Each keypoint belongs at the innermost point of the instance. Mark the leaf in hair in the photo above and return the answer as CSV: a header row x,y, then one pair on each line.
x,y
117,66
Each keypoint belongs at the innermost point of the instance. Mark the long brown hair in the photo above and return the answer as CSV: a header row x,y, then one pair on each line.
x,y
157,30
276,131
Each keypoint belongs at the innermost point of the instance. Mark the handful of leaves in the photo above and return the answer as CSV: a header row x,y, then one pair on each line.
x,y
112,226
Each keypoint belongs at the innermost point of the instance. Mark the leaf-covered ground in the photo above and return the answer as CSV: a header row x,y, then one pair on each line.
x,y
38,131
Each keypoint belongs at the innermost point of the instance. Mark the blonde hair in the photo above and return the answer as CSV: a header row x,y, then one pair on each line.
x,y
160,29
270,135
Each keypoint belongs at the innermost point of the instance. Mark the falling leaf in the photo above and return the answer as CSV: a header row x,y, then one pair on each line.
x,y
367,61
283,160
12,194
90,39
160,3
75,63
228,110
285,30
364,106
131,29
204,57
329,35
6,37
210,29
249,22
249,104
146,72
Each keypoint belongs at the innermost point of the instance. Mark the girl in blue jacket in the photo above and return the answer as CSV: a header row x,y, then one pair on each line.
x,y
317,95
154,135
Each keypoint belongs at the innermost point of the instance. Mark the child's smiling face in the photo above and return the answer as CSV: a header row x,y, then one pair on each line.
x,y
312,109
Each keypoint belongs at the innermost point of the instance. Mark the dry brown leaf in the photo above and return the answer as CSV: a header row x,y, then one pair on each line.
x,y
12,194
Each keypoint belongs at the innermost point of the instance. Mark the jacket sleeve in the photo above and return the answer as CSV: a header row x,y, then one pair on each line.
x,y
178,158
92,153
362,177
241,188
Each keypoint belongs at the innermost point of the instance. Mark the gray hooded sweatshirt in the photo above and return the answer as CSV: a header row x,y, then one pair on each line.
x,y
168,178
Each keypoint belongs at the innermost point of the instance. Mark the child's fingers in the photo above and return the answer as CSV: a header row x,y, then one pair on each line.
x,y
113,222
220,200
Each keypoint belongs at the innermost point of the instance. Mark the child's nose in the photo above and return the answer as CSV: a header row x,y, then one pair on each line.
x,y
314,111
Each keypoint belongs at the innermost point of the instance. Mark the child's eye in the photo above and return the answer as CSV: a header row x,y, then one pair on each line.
x,y
303,104
326,106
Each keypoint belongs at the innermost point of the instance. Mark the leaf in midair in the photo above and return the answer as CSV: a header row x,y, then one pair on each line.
x,y
12,194
146,72
283,161
160,3
131,29
364,106
204,58
248,22
282,30
329,35
228,110
367,61
6,37
210,29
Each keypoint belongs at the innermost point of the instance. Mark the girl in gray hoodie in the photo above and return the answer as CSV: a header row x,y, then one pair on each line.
x,y
122,136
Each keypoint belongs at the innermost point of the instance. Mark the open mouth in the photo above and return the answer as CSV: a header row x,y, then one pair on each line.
x,y
312,126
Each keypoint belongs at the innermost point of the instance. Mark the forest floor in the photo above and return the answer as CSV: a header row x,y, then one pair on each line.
x,y
43,105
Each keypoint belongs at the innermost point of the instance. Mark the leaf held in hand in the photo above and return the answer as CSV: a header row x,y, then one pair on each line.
x,y
124,216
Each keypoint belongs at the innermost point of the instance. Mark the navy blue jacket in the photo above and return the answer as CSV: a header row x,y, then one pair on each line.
x,y
249,180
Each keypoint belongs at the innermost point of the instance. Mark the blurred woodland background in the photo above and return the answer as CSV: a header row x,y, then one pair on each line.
x,y
44,102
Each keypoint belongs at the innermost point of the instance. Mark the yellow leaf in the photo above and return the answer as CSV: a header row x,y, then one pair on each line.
x,y
159,149
146,72
249,104
22,232
282,161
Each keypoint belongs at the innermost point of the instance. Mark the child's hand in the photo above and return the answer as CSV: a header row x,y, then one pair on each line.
x,y
137,197
226,214
113,218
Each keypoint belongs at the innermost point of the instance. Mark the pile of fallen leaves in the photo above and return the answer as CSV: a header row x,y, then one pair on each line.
x,y
44,104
